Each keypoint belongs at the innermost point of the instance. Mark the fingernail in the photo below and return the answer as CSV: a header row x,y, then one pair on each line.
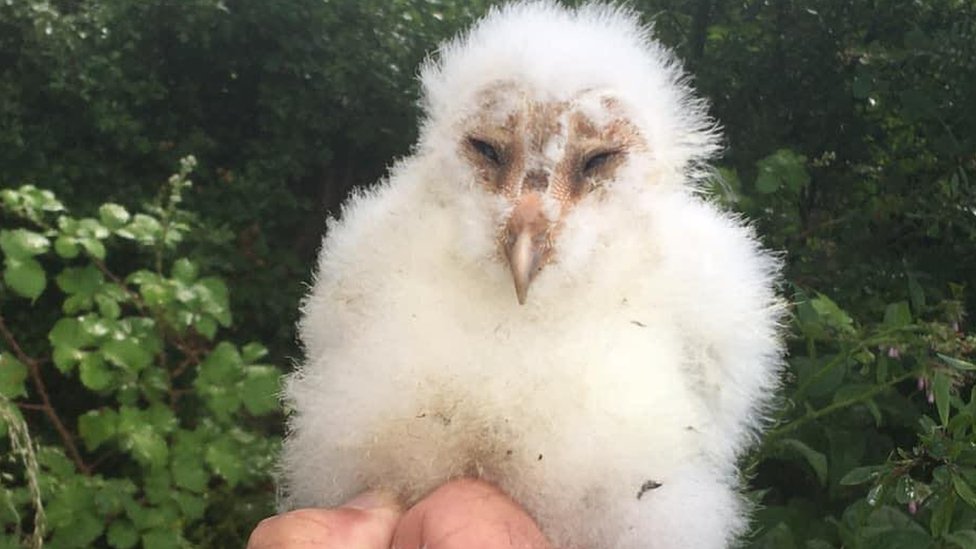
x,y
371,500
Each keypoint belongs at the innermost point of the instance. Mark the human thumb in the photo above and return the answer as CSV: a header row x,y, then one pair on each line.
x,y
366,522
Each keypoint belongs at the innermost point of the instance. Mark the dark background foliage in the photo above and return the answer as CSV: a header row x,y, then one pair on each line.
x,y
850,142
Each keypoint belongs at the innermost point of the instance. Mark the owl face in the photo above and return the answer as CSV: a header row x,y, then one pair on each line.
x,y
542,158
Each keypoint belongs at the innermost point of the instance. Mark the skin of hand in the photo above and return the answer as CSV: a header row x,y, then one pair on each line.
x,y
462,514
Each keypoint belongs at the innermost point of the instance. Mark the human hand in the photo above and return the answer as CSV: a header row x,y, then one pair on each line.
x,y
463,514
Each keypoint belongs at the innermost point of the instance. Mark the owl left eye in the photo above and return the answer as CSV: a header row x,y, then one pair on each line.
x,y
598,160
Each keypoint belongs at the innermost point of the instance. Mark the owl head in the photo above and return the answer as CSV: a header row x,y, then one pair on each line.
x,y
541,111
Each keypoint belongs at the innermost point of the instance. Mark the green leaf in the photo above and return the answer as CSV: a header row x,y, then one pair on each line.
x,y
184,270
831,315
97,427
965,539
97,327
94,373
767,182
876,494
108,307
57,465
905,490
214,299
70,513
127,354
206,326
68,337
81,532
80,280
68,332
964,490
25,277
224,457
957,363
143,228
860,475
916,294
940,389
23,244
897,315
13,373
222,366
816,460
66,246
158,487
223,401
161,418
782,169
141,437
189,473
252,352
161,538
89,227
156,295
899,538
122,534
113,496
113,216
192,506
93,246
260,389
148,447
941,519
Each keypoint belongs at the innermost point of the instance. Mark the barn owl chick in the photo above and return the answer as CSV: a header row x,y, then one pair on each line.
x,y
538,297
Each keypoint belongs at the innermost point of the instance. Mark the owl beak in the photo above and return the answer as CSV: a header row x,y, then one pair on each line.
x,y
526,243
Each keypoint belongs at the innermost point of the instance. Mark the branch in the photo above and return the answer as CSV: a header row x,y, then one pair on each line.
x,y
166,331
35,372
842,357
839,405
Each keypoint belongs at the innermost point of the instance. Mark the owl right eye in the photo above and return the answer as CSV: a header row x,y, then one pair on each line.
x,y
486,150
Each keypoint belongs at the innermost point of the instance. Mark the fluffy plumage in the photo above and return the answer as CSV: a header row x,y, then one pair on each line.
x,y
559,155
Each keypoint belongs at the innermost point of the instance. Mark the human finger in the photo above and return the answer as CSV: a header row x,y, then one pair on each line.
x,y
468,514
367,522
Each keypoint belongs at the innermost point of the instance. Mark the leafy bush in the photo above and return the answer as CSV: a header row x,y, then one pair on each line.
x,y
851,136
882,406
150,424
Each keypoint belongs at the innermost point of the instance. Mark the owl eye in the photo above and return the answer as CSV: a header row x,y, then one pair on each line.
x,y
485,149
598,160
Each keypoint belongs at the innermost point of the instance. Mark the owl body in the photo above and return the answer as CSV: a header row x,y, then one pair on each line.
x,y
614,400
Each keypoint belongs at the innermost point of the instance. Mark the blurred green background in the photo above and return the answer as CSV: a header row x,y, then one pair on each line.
x,y
167,168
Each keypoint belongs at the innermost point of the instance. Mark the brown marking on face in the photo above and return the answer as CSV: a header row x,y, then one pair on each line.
x,y
593,156
612,104
550,148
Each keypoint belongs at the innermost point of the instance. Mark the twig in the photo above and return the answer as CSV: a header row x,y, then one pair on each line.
x,y
35,372
134,297
839,405
166,331
842,357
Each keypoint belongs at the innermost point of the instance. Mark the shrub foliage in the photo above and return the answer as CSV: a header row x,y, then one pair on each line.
x,y
130,412
153,432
